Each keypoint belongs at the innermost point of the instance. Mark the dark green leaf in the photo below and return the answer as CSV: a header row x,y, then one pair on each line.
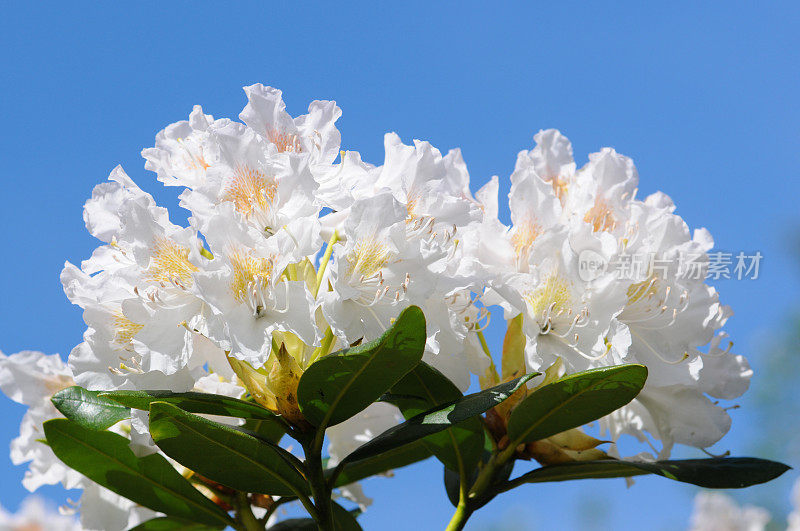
x,y
343,520
378,464
269,429
438,419
224,454
452,483
106,458
459,447
717,473
165,523
193,402
89,409
574,401
336,387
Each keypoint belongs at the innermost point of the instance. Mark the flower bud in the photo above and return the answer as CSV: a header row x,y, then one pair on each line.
x,y
255,382
283,378
513,364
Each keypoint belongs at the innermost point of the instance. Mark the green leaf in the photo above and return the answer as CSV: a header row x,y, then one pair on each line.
x,y
452,483
574,401
338,386
106,458
459,447
717,473
378,464
272,430
438,419
224,454
343,520
88,408
193,402
166,523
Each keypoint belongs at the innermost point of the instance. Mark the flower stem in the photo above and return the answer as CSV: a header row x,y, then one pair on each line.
x,y
492,369
323,264
319,488
244,513
460,517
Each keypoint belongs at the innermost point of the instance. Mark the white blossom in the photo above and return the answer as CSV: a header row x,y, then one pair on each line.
x,y
715,511
250,288
35,515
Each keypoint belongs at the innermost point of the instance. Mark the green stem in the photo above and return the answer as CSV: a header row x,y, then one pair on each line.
x,y
319,487
460,517
484,478
463,509
488,352
274,507
323,264
244,513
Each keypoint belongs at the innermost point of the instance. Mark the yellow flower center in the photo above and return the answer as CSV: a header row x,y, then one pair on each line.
x,y
285,143
600,216
550,299
641,290
251,190
368,257
170,262
125,329
560,188
248,270
524,235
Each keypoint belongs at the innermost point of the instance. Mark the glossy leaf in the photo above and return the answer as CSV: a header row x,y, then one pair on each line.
x,y
272,430
452,484
343,520
88,408
338,386
574,401
193,402
716,473
378,464
438,419
165,523
106,458
459,447
224,454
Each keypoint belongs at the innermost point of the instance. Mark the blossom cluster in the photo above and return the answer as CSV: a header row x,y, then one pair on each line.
x,y
292,241
715,511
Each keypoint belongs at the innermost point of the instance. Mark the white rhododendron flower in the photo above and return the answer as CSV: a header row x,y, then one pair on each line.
x,y
35,515
295,250
602,278
31,378
714,511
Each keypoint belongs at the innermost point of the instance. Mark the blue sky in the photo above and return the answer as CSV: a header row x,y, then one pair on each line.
x,y
703,97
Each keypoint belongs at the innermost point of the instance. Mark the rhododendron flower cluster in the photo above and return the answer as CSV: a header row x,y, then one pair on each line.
x,y
296,249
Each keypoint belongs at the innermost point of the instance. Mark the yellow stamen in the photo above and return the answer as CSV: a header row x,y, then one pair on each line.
x,y
248,270
285,143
